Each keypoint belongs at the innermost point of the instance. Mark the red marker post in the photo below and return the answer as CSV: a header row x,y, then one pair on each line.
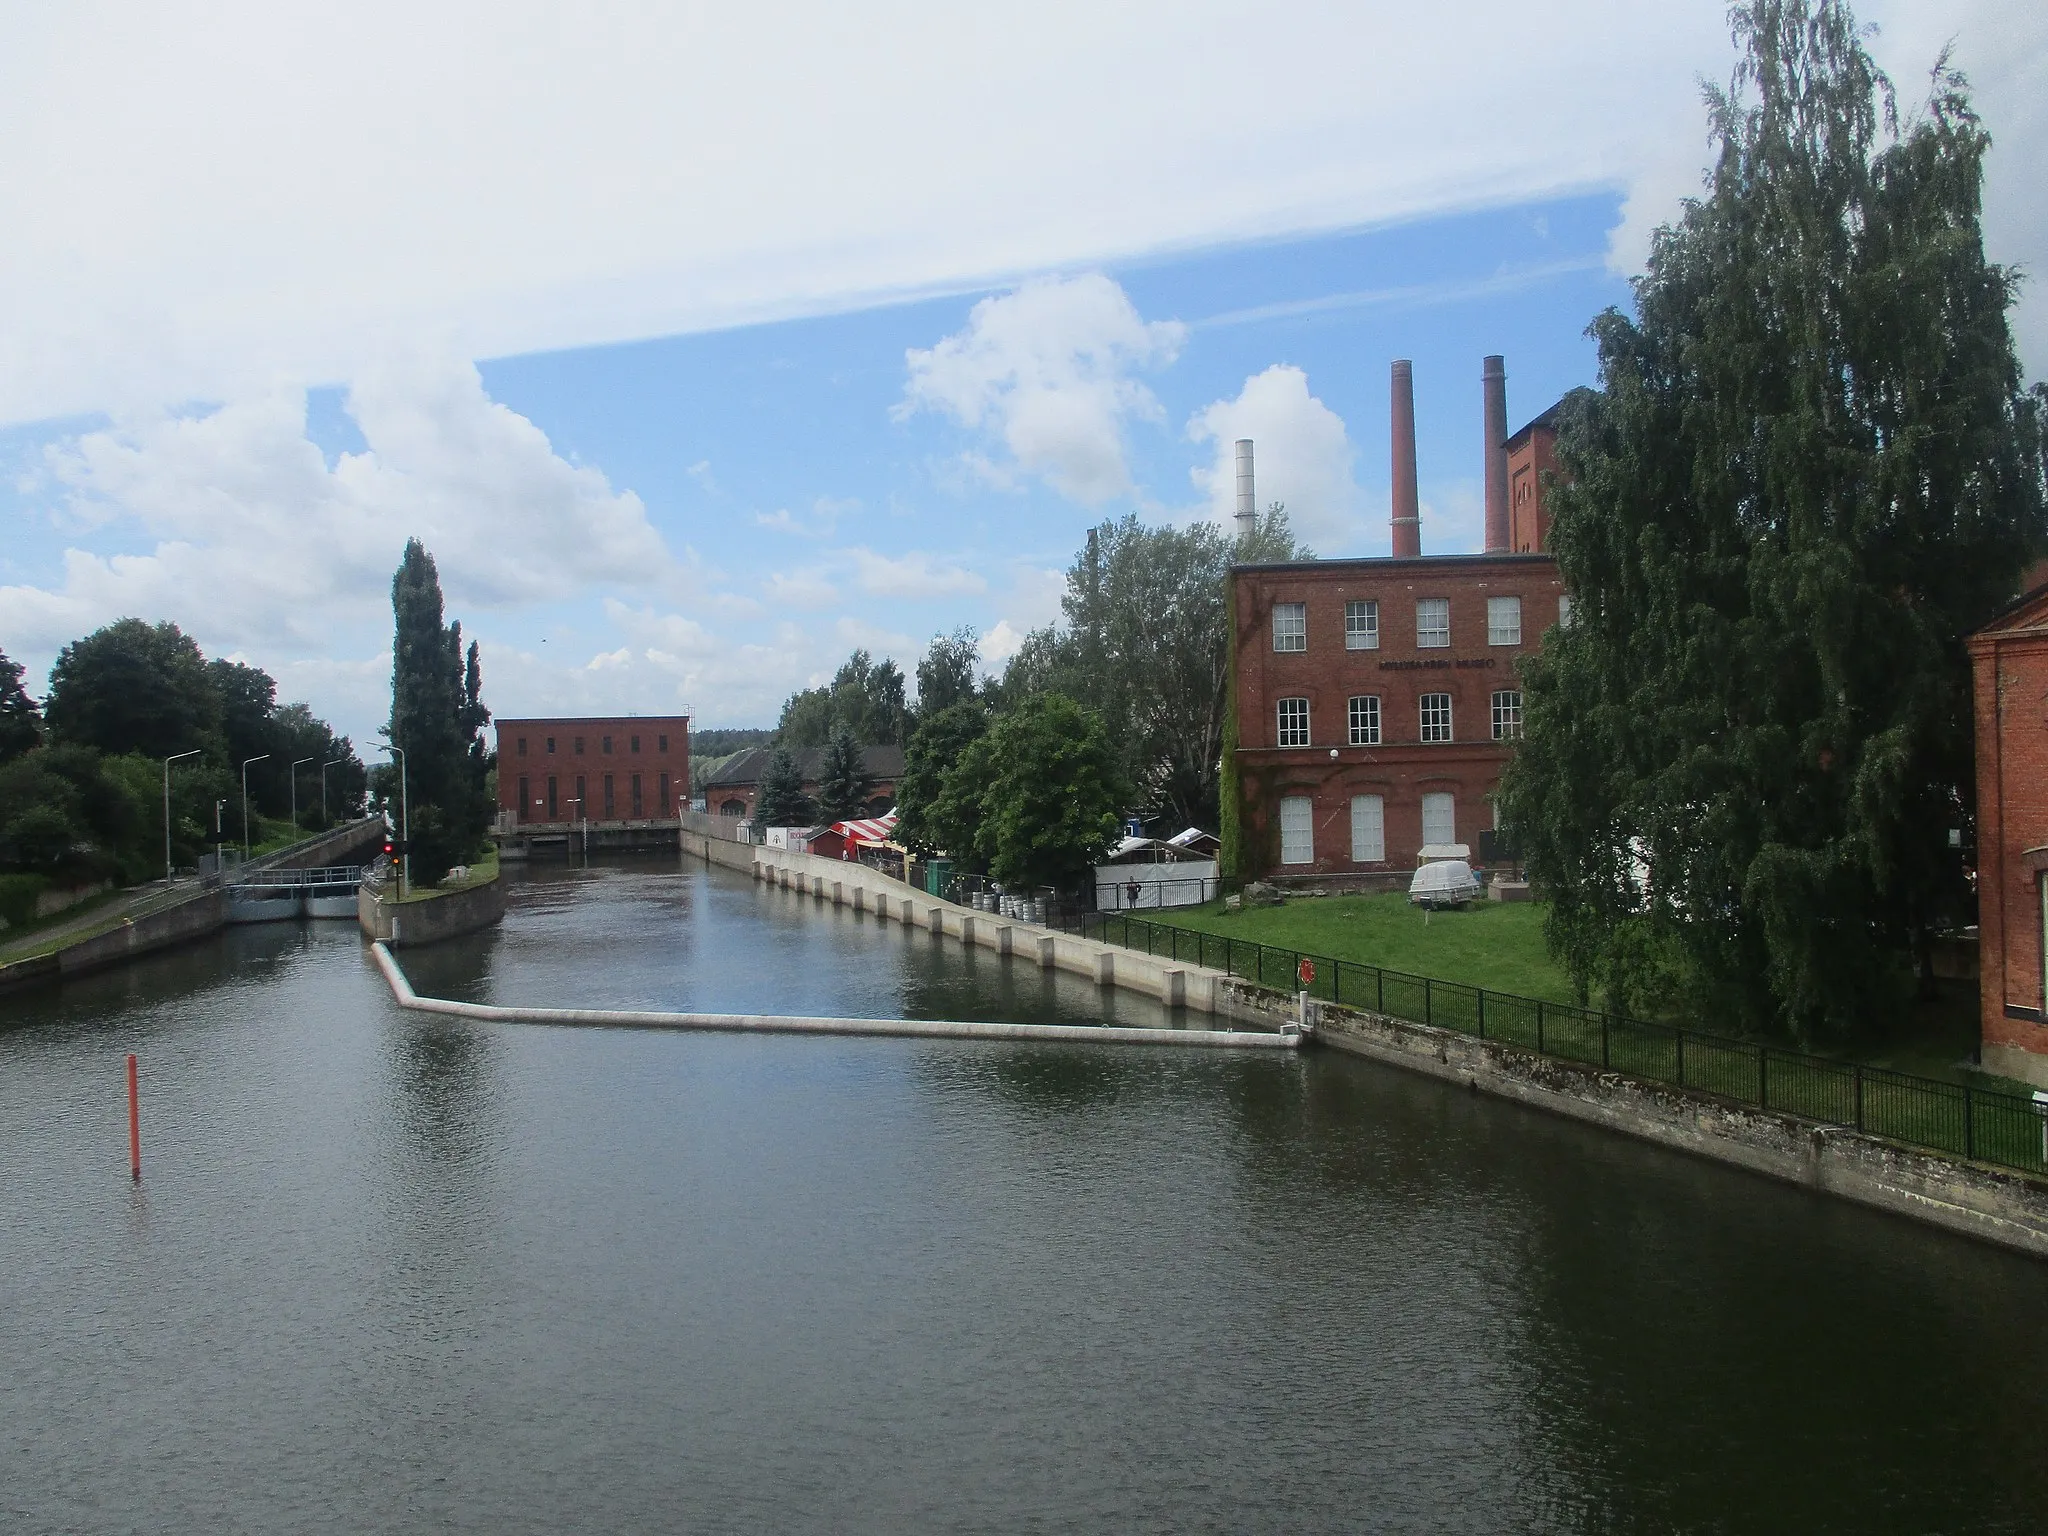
x,y
1305,973
134,1123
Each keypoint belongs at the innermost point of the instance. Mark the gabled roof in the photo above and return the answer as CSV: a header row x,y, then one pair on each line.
x,y
1546,422
884,764
2028,611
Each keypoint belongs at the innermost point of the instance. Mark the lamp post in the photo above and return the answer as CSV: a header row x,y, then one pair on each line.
x,y
405,824
295,789
175,757
330,763
259,757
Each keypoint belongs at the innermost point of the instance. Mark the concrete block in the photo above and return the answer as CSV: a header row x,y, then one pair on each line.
x,y
860,898
935,919
1047,957
1173,986
838,894
966,930
1105,969
1004,934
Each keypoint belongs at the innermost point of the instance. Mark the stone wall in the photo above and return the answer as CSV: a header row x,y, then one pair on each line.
x,y
429,919
200,914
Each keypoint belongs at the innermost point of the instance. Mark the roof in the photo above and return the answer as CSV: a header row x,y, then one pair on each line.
x,y
1544,422
1412,562
2027,611
884,764
873,829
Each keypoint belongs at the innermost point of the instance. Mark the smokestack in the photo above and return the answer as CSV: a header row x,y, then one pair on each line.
x,y
1493,382
1407,514
1247,498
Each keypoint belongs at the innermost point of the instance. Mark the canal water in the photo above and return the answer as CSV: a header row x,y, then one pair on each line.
x,y
392,1272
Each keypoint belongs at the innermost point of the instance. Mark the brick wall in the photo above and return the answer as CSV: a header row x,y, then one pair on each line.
x,y
1401,769
2009,660
541,763
1531,454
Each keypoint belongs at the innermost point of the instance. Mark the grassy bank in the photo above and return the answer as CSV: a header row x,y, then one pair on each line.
x,y
481,872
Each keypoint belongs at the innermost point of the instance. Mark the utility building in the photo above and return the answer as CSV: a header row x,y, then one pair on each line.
x,y
1375,700
615,772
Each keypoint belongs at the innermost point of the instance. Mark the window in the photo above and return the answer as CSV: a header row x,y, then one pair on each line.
x,y
1365,720
525,799
1503,621
551,744
610,805
636,796
607,746
1436,717
1290,626
1564,611
1294,722
636,743
579,746
1362,625
661,743
1368,829
1432,621
1439,818
554,800
522,746
1507,715
661,794
1297,830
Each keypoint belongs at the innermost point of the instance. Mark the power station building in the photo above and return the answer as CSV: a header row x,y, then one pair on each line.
x,y
608,770
1375,700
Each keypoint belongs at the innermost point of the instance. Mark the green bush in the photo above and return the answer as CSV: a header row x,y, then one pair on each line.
x,y
18,898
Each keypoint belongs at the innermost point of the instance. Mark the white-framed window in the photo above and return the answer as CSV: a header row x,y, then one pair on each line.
x,y
1364,715
1368,829
1564,610
1290,626
1297,830
1439,817
1436,717
1293,723
1507,715
1503,621
1362,625
1432,621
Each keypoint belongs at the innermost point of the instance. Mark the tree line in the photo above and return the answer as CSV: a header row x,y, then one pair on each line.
x,y
81,771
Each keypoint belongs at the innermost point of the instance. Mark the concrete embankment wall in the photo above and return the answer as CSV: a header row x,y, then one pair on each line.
x,y
432,918
1997,1206
717,850
202,913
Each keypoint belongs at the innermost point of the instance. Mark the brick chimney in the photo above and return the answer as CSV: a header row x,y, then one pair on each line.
x,y
1493,381
1407,512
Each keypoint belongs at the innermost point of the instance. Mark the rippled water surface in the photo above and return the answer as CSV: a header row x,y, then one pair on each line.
x,y
388,1272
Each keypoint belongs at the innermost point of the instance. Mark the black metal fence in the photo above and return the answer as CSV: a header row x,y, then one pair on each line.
x,y
1977,1123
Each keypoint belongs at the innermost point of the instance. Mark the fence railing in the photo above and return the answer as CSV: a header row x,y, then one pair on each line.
x,y
1977,1123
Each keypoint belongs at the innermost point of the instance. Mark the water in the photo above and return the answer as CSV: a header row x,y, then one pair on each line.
x,y
394,1272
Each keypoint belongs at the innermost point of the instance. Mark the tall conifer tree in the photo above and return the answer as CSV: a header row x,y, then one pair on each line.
x,y
1810,472
437,720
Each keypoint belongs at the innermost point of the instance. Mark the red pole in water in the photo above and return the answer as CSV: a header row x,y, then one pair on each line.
x,y
134,1124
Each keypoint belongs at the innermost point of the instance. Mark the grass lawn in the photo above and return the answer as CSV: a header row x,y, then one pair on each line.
x,y
1491,944
484,869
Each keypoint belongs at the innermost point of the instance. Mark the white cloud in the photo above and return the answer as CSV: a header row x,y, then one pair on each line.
x,y
999,643
1034,601
1301,455
807,589
1046,371
913,575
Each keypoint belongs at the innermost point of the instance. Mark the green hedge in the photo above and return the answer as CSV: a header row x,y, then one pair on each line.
x,y
18,895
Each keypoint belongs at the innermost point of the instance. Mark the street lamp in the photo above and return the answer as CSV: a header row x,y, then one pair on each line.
x,y
330,763
167,807
259,757
295,789
405,826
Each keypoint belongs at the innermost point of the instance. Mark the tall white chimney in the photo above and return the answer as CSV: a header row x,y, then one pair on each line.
x,y
1247,497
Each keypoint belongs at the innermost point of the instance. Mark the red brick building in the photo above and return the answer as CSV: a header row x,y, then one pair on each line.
x,y
2009,658
1531,455
610,768
1376,700
735,787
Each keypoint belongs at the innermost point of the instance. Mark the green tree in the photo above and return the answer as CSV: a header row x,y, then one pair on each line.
x,y
1052,793
21,722
865,696
782,801
437,720
133,687
1809,472
843,780
945,675
1144,645
940,740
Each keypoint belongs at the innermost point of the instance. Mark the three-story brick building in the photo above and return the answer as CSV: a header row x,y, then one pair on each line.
x,y
600,769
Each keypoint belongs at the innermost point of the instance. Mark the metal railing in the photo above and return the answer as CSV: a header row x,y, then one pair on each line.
x,y
1981,1124
334,874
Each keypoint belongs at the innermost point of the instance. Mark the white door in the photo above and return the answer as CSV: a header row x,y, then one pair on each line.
x,y
1439,817
1297,830
1368,829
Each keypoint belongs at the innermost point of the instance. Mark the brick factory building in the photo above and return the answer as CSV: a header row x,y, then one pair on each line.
x,y
735,787
2009,658
610,769
1375,700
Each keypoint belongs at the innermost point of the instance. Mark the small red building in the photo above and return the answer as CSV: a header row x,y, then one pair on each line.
x,y
603,769
2009,658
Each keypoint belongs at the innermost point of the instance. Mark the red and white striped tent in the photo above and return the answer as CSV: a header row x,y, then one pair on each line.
x,y
844,839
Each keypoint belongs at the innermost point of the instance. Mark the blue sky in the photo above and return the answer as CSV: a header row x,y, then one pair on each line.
x,y
874,386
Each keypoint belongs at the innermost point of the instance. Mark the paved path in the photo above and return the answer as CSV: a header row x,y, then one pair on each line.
x,y
132,902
